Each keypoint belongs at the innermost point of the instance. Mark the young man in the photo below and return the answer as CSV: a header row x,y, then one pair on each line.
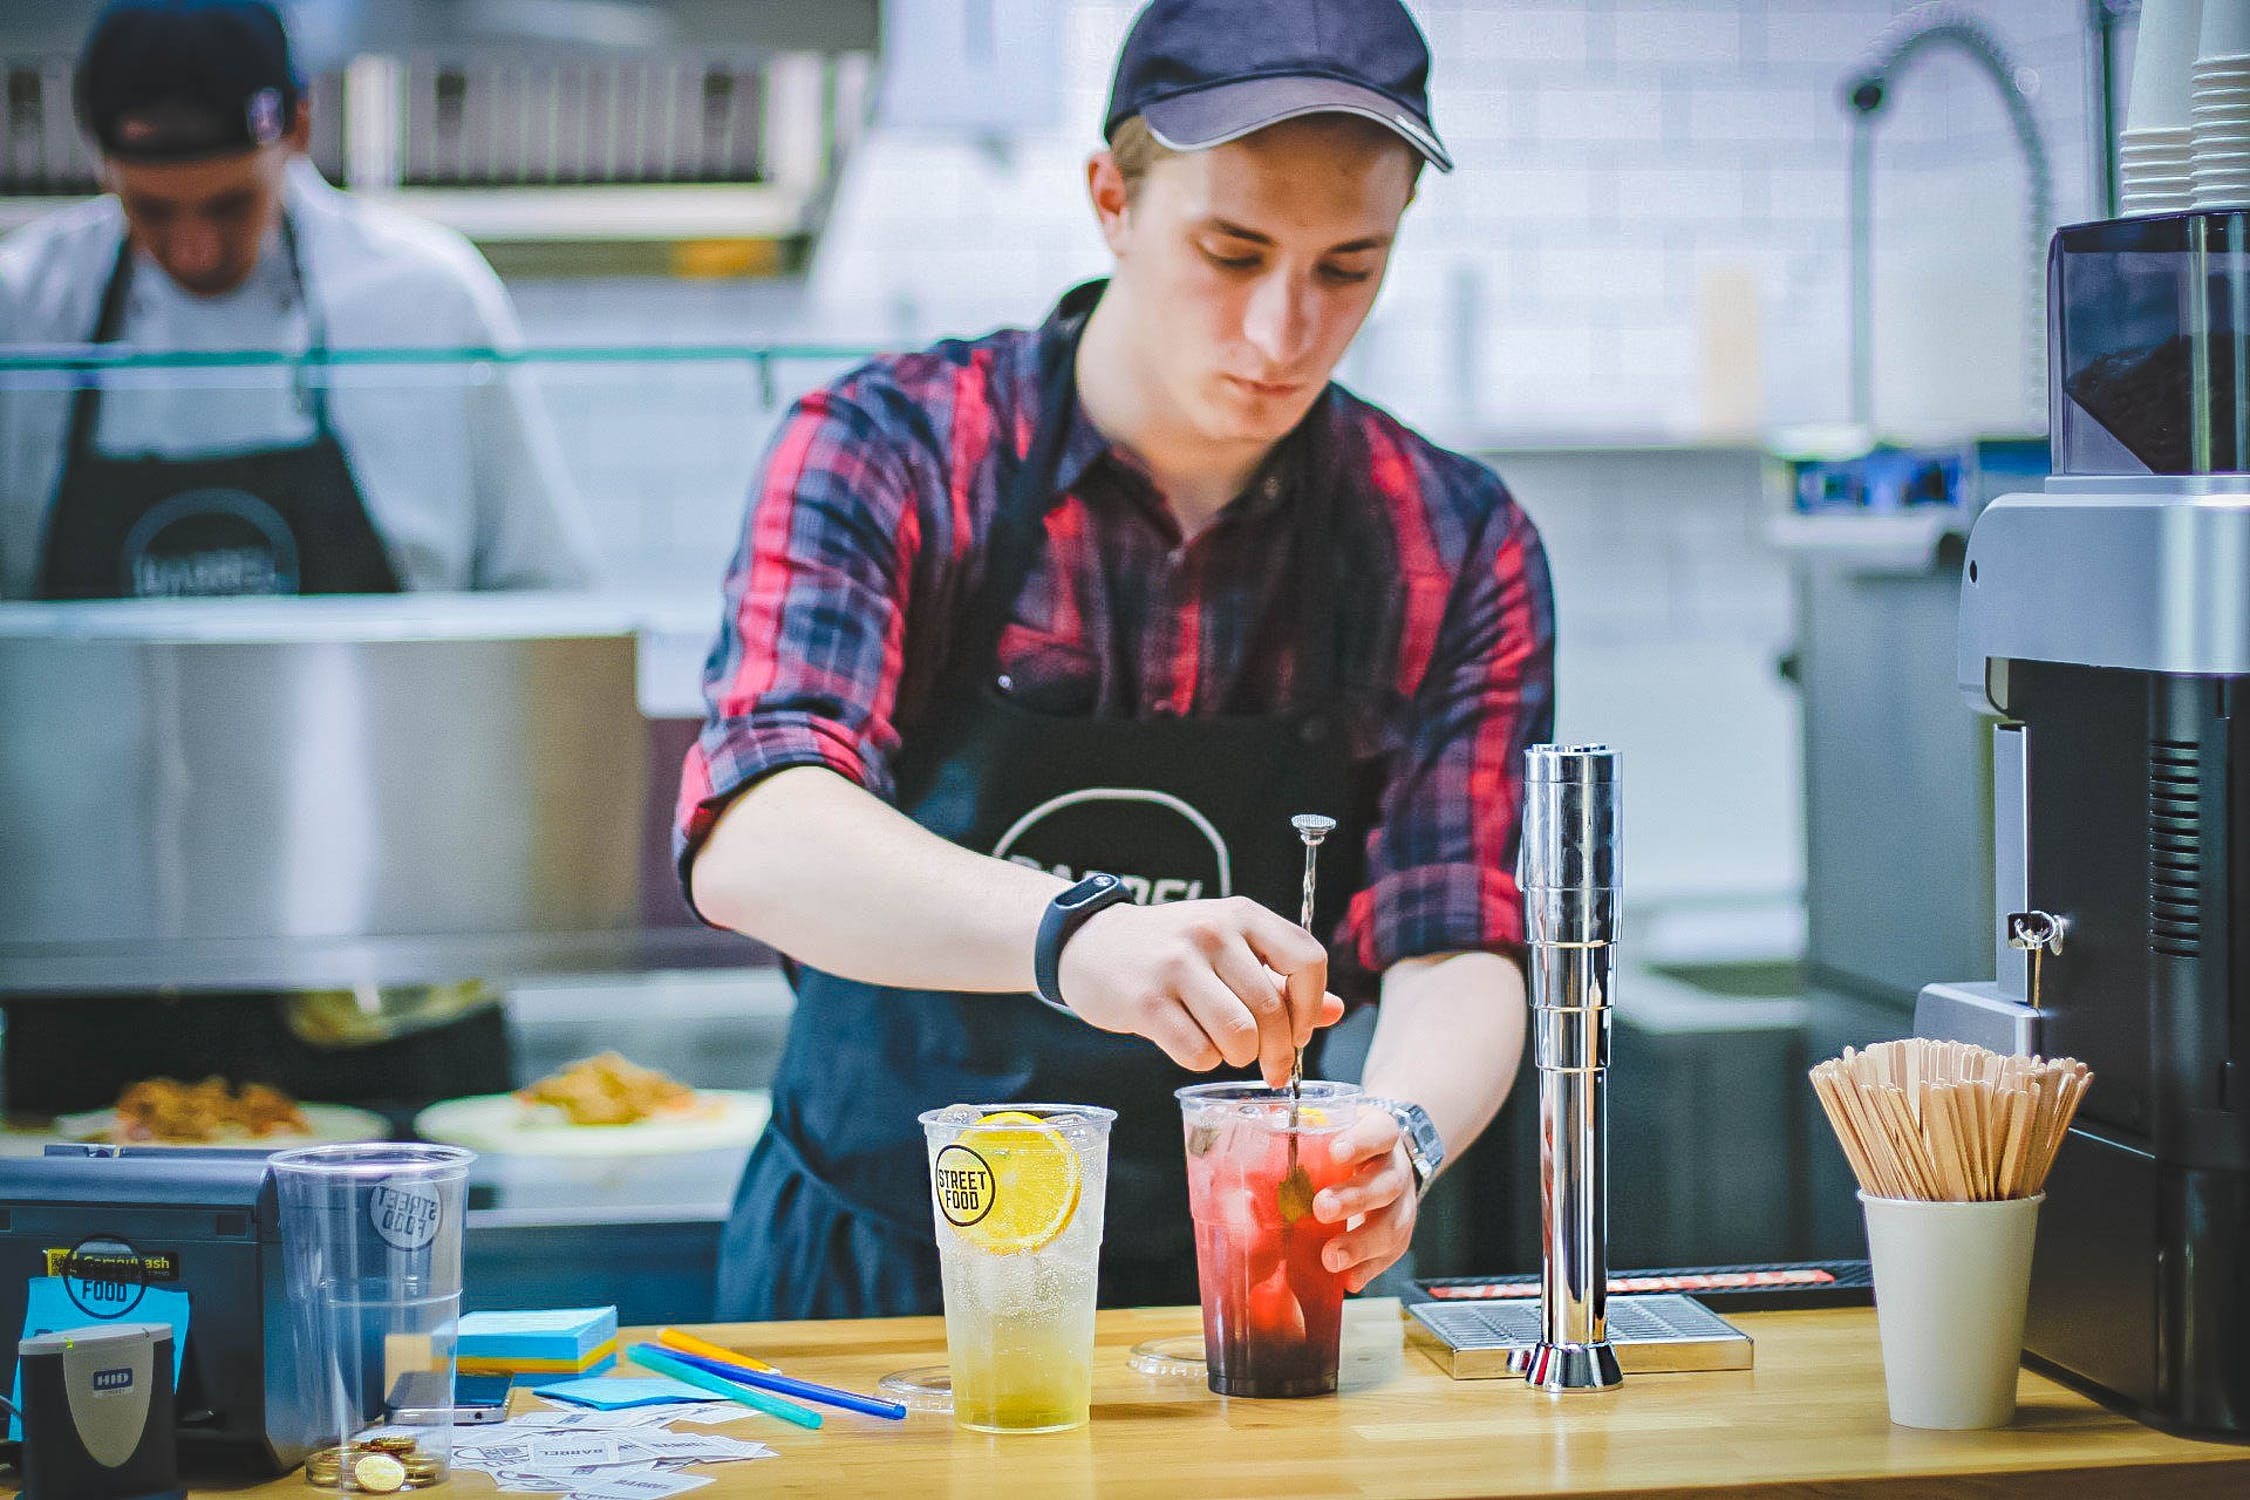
x,y
1124,594
217,234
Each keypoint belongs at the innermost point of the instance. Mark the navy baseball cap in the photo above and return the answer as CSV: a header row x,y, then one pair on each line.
x,y
1205,72
173,80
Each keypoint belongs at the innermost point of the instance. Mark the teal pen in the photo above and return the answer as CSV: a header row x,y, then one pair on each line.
x,y
649,1357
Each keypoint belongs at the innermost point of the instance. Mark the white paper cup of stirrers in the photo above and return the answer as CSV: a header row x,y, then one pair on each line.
x,y
1951,1284
1951,1145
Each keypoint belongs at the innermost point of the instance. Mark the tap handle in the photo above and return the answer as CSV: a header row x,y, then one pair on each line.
x,y
1569,862
1570,818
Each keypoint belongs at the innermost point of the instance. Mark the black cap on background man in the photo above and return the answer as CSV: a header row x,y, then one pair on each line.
x,y
178,80
1205,72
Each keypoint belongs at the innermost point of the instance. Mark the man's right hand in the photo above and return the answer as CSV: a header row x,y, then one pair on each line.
x,y
1207,981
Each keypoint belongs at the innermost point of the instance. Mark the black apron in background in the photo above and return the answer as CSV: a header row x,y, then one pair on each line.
x,y
270,521
833,1216
286,520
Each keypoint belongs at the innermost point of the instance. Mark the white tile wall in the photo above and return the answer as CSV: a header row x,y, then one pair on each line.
x,y
1616,157
1669,132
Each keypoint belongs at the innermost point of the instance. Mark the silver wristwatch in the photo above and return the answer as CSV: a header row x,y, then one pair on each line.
x,y
1424,1149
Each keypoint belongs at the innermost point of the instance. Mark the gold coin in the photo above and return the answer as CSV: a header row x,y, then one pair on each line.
x,y
379,1474
392,1442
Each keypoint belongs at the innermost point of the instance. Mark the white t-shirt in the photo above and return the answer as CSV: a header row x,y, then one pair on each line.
x,y
195,413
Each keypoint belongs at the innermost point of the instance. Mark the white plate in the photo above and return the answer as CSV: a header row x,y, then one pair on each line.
x,y
501,1125
331,1123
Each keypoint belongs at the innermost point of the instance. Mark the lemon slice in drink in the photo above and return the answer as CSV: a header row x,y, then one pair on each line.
x,y
1035,1182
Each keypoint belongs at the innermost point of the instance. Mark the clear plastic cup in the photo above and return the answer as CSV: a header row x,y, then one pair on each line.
x,y
2163,56
1272,1311
1017,1192
371,1236
2225,32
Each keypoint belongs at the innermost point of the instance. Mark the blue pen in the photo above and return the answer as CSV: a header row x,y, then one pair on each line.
x,y
803,1390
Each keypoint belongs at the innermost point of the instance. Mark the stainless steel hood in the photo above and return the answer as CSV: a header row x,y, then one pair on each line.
x,y
329,33
538,122
334,793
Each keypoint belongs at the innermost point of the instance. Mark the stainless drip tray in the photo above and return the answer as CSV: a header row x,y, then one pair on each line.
x,y
1662,1333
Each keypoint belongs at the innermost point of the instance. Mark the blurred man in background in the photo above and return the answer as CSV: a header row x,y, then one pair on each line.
x,y
217,235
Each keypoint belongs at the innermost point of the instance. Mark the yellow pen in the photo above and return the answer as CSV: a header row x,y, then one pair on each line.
x,y
688,1343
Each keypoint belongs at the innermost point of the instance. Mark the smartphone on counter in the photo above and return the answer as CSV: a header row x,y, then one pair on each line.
x,y
421,1400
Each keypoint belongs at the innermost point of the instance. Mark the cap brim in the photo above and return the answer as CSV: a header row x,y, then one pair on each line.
x,y
1229,111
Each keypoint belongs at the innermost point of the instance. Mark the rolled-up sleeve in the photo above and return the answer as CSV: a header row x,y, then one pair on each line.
x,y
806,667
1442,857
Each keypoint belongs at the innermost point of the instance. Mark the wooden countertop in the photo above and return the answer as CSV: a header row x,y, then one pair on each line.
x,y
1809,1419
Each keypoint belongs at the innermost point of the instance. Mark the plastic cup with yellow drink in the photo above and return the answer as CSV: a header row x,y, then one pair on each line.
x,y
1017,1190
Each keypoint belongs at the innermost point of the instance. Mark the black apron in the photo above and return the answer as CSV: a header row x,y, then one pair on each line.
x,y
833,1215
270,521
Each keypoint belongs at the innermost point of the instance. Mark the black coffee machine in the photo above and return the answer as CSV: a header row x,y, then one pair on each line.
x,y
2106,620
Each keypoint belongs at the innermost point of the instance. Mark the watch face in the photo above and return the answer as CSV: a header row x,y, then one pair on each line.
x,y
1088,889
1421,1135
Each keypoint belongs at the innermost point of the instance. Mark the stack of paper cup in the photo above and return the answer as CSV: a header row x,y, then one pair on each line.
x,y
2155,156
2219,106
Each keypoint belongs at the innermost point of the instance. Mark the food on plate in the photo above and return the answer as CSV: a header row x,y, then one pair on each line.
x,y
609,1090
165,1109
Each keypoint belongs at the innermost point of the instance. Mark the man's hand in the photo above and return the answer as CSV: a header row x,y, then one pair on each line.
x,y
1207,981
1379,1193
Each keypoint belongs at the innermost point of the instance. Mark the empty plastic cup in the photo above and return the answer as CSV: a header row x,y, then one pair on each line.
x,y
371,1237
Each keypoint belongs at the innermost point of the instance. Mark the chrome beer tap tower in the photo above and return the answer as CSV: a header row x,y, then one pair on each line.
x,y
1570,868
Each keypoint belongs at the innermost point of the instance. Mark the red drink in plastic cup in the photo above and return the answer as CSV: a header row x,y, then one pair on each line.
x,y
1272,1312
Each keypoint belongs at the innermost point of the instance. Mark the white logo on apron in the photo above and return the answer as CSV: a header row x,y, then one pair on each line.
x,y
263,562
1168,814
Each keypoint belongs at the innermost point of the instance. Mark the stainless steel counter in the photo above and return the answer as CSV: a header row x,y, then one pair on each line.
x,y
340,792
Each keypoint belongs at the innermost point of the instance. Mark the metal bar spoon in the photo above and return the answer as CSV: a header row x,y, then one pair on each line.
x,y
1296,1188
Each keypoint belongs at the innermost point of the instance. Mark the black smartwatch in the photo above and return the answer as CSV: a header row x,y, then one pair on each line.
x,y
1065,915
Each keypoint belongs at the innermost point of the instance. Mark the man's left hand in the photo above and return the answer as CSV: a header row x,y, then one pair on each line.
x,y
1379,1192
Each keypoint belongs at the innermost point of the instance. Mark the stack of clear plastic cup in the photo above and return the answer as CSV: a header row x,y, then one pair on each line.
x,y
2219,106
2155,154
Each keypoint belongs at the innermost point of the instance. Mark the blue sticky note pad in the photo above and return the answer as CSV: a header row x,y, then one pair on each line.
x,y
48,1308
608,1394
